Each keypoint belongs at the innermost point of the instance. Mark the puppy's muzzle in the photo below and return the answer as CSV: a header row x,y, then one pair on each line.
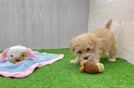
x,y
85,58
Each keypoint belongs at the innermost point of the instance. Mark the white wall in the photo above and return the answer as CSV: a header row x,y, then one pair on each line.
x,y
122,13
42,23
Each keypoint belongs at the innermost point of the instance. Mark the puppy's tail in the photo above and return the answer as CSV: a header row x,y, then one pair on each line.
x,y
108,24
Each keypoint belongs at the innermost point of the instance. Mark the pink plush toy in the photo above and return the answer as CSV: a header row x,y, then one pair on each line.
x,y
17,53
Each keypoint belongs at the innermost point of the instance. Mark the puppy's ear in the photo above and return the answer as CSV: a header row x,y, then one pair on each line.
x,y
72,44
96,43
108,24
92,39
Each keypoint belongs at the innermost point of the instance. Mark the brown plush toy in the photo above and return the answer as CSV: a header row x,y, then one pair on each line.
x,y
90,66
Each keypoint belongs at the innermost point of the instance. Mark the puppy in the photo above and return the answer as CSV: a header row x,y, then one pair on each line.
x,y
94,44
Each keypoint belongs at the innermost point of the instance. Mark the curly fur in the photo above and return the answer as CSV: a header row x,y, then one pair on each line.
x,y
100,41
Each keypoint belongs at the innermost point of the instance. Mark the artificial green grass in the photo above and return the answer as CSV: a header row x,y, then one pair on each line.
x,y
62,74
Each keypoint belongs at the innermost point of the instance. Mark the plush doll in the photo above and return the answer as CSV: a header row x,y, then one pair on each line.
x,y
90,66
17,53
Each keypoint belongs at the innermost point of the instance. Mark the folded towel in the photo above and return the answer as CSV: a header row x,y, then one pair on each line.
x,y
26,67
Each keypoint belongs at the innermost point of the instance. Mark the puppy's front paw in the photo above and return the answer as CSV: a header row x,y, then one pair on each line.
x,y
112,59
74,61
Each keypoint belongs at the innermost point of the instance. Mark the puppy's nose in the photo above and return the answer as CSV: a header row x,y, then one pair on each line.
x,y
85,58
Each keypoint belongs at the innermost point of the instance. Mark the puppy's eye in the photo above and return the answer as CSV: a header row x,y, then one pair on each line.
x,y
79,52
11,55
73,49
88,49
